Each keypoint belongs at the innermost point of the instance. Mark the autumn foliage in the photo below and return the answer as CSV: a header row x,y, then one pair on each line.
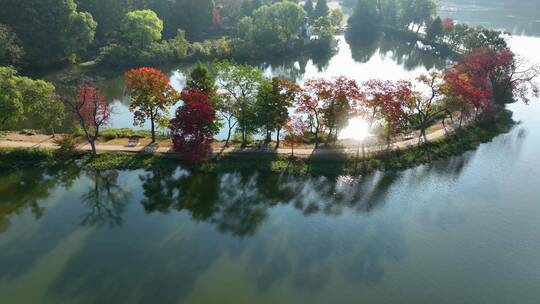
x,y
329,103
193,127
295,132
91,111
151,95
473,78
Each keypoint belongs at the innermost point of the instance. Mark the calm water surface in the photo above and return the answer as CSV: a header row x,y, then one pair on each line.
x,y
462,230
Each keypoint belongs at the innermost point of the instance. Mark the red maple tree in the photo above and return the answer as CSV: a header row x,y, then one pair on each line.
x,y
329,103
385,102
151,95
193,127
448,24
92,113
295,132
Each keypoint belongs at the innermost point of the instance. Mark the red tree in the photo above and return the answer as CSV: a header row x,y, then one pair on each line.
x,y
385,102
295,132
91,111
193,127
329,103
448,24
151,95
310,100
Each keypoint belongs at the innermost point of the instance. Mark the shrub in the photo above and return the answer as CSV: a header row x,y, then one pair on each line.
x,y
67,146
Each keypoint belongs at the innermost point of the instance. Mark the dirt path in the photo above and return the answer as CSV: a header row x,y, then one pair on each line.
x,y
350,150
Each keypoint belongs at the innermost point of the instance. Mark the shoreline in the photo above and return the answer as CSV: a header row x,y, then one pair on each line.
x,y
468,138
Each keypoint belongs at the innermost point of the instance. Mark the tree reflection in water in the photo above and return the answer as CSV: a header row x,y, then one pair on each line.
x,y
22,190
105,199
407,55
302,230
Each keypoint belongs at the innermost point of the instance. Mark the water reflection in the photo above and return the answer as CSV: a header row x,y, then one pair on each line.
x,y
520,17
105,199
181,236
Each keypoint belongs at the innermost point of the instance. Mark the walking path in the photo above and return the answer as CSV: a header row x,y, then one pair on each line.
x,y
351,150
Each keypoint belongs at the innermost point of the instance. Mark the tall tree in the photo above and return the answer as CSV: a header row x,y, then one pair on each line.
x,y
11,51
274,26
28,102
340,98
151,95
422,111
11,103
435,29
240,83
108,14
193,126
321,9
141,28
384,105
308,7
365,18
295,132
91,111
201,80
274,98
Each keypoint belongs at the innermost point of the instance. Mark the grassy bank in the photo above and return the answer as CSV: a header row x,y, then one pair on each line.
x,y
467,139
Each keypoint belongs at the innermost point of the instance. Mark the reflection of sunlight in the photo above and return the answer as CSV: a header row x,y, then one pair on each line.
x,y
357,129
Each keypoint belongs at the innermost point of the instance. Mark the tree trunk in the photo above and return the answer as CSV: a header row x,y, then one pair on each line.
x,y
153,128
268,135
93,146
444,127
277,138
244,140
422,136
228,137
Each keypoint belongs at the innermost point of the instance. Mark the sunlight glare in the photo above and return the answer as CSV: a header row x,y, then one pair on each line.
x,y
358,129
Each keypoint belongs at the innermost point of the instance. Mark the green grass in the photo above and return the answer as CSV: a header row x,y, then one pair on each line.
x,y
467,139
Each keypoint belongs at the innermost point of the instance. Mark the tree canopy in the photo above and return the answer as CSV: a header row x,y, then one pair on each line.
x,y
51,31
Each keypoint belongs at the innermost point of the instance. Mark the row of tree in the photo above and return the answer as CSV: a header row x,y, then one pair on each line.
x,y
239,98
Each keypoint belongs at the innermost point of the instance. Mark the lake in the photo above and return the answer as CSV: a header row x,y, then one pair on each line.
x,y
461,230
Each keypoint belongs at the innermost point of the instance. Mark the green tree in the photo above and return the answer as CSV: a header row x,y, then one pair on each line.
x,y
51,31
141,28
425,11
364,19
180,44
308,7
435,29
11,52
336,17
274,26
193,16
108,14
240,82
274,98
28,102
80,35
42,108
201,80
321,9
11,103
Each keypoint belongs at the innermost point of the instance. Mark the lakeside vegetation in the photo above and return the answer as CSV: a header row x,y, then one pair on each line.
x,y
466,139
239,98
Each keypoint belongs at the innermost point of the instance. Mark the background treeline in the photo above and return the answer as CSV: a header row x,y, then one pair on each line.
x,y
40,33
